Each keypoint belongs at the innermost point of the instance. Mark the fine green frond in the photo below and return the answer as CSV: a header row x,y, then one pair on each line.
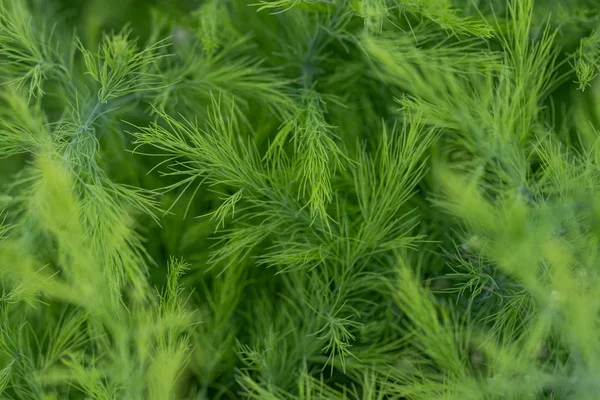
x,y
385,182
172,300
430,324
475,278
443,13
4,227
119,67
22,126
227,208
239,78
374,12
586,73
338,339
587,59
26,49
318,157
216,152
284,5
214,31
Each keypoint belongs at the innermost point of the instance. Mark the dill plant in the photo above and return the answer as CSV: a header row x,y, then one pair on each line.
x,y
299,199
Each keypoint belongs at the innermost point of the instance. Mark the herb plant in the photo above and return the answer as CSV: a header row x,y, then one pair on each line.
x,y
299,199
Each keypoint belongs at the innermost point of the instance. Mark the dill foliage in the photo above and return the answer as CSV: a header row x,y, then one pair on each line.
x,y
299,199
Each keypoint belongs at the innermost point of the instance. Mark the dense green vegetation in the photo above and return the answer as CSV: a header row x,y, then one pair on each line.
x,y
299,199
